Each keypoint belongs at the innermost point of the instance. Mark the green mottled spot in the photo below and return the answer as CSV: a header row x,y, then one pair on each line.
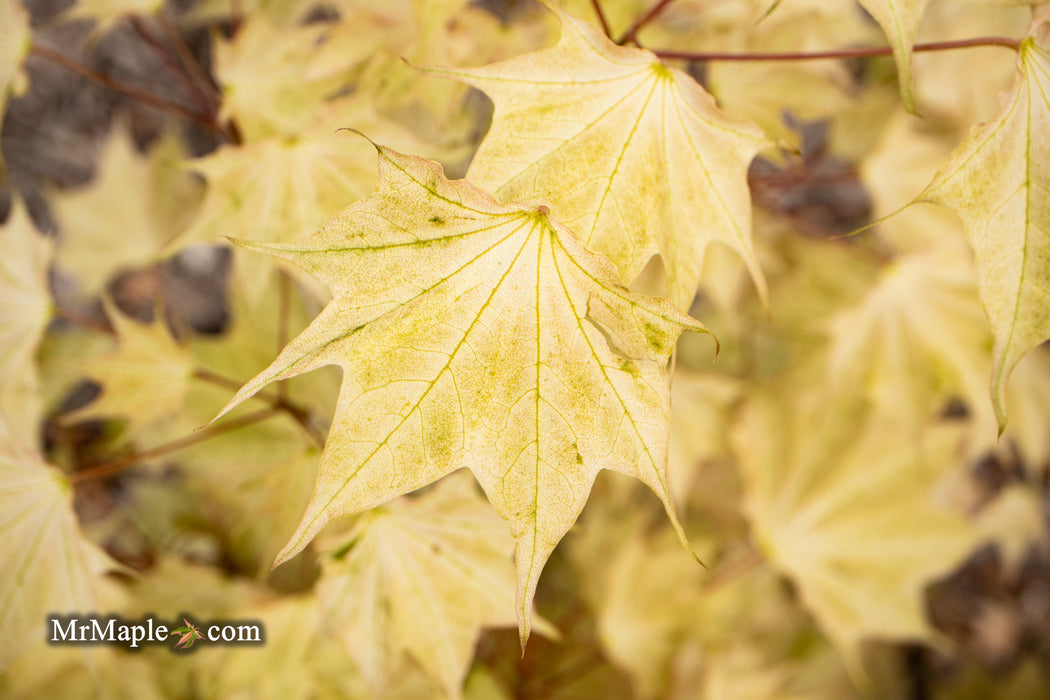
x,y
655,337
441,436
436,220
627,365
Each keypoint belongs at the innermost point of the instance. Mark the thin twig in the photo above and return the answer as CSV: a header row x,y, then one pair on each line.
x,y
111,83
277,402
839,53
173,67
189,61
632,32
116,465
601,18
733,571
83,321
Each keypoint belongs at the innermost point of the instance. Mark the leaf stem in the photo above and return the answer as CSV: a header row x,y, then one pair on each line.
x,y
111,83
631,34
116,465
839,53
601,18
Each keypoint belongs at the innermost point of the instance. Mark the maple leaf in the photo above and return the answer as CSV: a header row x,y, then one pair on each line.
x,y
900,20
104,230
51,567
643,616
189,634
443,557
144,379
632,155
917,339
25,301
998,182
480,335
25,311
849,515
274,80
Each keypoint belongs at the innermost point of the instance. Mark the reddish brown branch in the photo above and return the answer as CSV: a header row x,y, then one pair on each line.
x,y
83,321
111,83
601,18
278,402
116,465
631,34
839,53
174,68
200,76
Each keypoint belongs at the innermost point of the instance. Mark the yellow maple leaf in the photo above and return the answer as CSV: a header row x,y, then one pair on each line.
x,y
900,20
480,335
274,79
51,567
998,182
847,512
632,155
420,576
25,311
144,379
650,593
917,339
25,300
107,227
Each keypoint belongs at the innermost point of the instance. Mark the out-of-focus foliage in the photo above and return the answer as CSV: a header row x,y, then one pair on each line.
x,y
865,530
167,201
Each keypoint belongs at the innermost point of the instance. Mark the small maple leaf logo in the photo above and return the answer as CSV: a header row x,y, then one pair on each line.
x,y
190,634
